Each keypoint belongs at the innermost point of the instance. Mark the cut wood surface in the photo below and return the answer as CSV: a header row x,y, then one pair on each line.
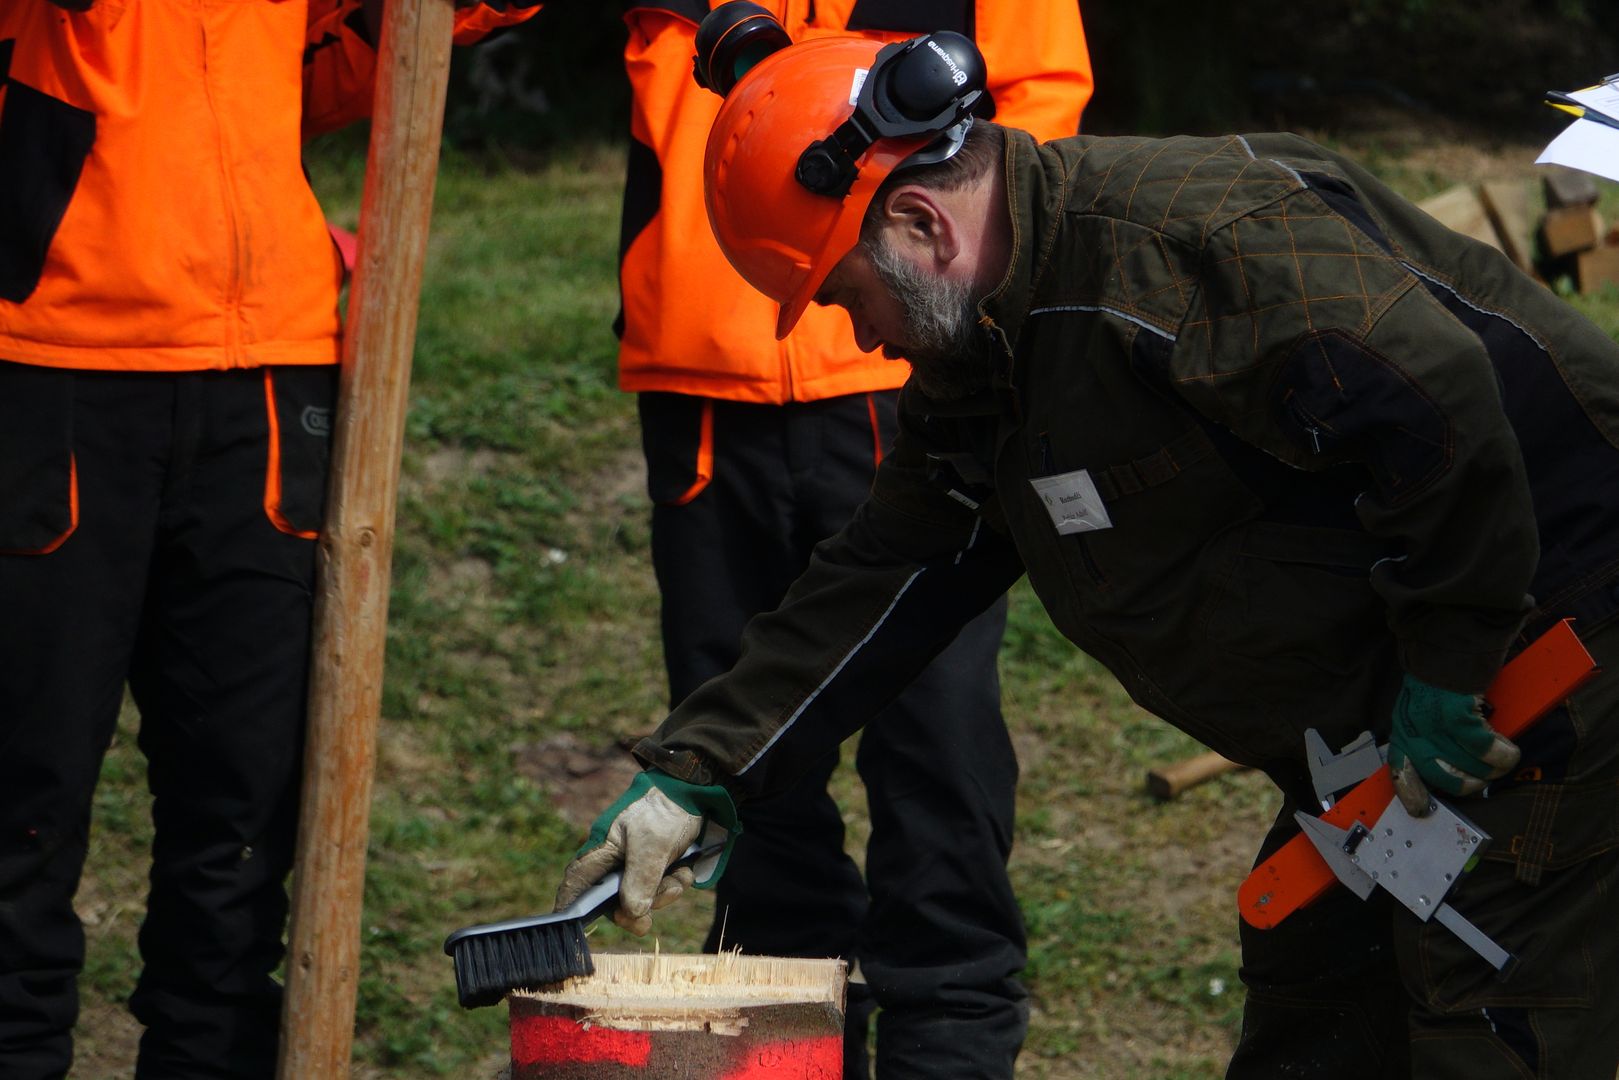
x,y
1508,204
725,1017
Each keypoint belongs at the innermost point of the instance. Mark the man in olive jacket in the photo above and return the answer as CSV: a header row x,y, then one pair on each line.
x,y
1283,453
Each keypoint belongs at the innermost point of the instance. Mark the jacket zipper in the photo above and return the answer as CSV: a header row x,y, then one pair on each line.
x,y
227,187
1312,426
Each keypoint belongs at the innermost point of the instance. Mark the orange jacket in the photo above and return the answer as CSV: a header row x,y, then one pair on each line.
x,y
690,324
154,213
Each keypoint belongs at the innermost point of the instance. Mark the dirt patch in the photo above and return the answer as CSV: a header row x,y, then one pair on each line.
x,y
580,779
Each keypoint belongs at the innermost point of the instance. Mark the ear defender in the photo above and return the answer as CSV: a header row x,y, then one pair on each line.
x,y
731,39
925,86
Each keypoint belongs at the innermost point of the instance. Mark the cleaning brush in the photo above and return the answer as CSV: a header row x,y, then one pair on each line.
x,y
493,959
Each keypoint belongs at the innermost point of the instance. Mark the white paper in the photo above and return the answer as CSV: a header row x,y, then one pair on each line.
x,y
1072,501
1586,144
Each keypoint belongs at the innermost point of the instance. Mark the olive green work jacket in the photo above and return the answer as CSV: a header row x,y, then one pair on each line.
x,y
1263,436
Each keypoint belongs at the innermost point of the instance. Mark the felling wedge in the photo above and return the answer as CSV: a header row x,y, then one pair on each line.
x,y
1296,875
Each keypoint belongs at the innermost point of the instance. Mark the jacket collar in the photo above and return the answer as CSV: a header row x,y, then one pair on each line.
x,y
1035,193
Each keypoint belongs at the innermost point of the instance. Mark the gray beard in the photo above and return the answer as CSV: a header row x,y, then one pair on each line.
x,y
949,355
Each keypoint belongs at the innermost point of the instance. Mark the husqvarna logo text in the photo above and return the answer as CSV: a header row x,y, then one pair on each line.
x,y
957,76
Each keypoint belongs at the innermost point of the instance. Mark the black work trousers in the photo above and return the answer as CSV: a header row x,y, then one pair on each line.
x,y
934,924
171,576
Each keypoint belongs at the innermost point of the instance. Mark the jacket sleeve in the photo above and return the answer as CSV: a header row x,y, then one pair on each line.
x,y
340,59
878,601
1330,354
1039,67
340,67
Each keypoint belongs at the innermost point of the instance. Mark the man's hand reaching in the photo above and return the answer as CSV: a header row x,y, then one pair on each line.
x,y
650,826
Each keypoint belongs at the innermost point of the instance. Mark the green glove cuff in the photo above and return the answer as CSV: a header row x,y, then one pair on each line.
x,y
711,802
1431,725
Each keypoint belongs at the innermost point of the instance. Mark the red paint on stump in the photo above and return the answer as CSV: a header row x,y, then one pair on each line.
x,y
793,1059
556,1040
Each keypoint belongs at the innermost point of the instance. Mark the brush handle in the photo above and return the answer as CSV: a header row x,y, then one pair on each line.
x,y
586,908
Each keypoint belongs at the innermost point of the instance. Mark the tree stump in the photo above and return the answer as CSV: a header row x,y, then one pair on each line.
x,y
651,1017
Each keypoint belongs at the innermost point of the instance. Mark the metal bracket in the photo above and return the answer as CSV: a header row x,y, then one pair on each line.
x,y
1331,773
1416,860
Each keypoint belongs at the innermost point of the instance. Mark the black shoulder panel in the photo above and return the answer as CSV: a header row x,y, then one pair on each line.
x,y
43,144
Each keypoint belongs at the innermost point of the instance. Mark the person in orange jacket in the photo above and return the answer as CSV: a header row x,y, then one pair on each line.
x,y
758,449
169,337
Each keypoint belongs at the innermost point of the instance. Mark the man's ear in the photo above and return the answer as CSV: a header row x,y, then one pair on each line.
x,y
918,219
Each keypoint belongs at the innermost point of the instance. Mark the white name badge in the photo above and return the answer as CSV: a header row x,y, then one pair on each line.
x,y
1072,501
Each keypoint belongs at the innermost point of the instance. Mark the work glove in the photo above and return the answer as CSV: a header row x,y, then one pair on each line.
x,y
650,826
1441,739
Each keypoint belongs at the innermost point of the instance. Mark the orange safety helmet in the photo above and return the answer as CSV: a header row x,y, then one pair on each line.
x,y
808,134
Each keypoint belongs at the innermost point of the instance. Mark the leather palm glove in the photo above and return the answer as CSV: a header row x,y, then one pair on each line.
x,y
1442,740
647,828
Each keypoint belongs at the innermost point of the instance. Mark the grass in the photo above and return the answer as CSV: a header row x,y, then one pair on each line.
x,y
523,646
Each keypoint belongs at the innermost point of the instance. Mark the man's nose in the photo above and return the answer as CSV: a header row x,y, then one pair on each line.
x,y
865,335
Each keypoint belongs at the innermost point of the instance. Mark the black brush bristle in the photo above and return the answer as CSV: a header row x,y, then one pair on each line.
x,y
488,966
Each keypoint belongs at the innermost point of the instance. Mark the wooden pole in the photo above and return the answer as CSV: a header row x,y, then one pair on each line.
x,y
356,545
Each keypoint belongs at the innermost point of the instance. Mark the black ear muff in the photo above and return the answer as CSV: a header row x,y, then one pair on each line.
x,y
731,39
924,86
929,78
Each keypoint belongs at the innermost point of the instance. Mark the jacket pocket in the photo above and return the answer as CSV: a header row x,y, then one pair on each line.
x,y
299,401
43,146
677,436
1298,601
39,491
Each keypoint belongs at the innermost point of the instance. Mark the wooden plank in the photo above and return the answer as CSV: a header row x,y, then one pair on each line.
x,y
1168,781
1508,204
356,544
1568,229
657,1017
1568,187
1597,268
1460,208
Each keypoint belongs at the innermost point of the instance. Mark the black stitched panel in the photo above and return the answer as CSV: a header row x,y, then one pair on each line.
x,y
913,16
1335,395
1341,197
43,144
643,196
1573,470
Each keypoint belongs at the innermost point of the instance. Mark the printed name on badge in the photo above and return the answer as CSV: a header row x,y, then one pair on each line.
x,y
1072,501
